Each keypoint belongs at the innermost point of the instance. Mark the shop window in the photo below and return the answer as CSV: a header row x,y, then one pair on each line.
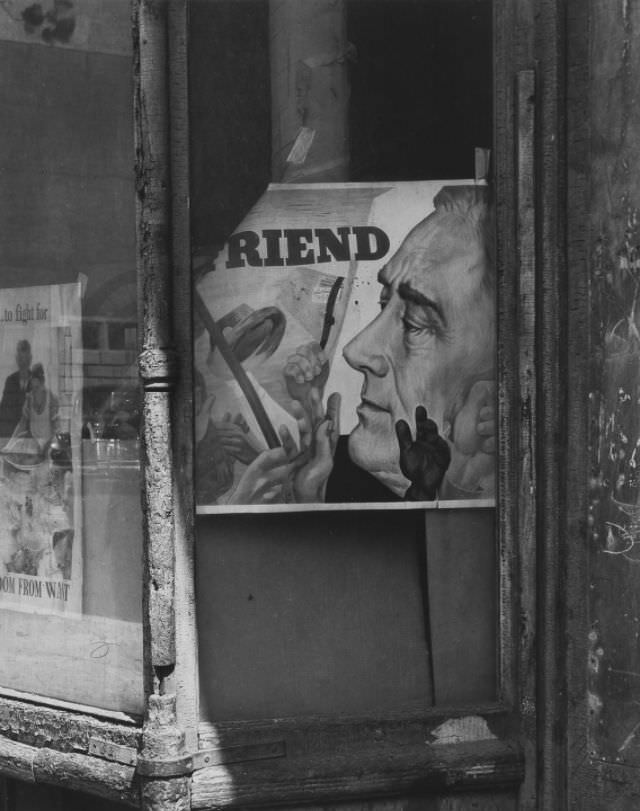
x,y
352,586
70,516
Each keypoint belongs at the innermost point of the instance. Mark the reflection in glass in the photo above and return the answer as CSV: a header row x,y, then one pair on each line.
x,y
70,518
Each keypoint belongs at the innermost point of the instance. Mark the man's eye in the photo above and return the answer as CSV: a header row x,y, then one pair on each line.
x,y
410,327
413,328
419,324
383,301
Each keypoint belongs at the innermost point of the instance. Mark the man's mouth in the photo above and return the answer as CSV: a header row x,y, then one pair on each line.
x,y
368,405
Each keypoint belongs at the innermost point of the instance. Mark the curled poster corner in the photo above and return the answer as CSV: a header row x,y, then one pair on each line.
x,y
301,146
482,164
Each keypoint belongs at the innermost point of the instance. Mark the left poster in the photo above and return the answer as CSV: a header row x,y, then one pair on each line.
x,y
41,375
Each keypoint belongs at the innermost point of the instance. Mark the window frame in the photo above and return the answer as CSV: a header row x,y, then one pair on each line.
x,y
365,757
512,717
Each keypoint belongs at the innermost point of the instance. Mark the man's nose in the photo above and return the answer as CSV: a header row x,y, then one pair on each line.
x,y
364,351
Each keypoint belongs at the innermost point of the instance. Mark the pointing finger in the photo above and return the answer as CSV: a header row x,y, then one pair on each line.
x,y
288,442
426,429
403,432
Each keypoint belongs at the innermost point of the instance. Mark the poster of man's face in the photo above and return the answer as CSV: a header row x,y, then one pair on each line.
x,y
345,350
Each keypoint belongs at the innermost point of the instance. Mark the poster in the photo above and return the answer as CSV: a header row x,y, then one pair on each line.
x,y
41,379
81,25
345,350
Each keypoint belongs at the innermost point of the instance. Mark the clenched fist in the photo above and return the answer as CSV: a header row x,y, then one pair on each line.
x,y
306,369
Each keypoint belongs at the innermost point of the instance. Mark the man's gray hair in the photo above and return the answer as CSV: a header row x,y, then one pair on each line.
x,y
474,210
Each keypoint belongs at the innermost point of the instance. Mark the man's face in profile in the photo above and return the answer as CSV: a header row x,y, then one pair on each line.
x,y
434,335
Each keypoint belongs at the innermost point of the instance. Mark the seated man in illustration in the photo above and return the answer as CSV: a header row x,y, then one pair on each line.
x,y
15,390
425,423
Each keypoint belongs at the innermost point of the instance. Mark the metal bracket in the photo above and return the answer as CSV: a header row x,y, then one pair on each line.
x,y
238,754
186,764
176,767
113,751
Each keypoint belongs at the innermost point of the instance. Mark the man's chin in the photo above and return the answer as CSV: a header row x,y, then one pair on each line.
x,y
378,457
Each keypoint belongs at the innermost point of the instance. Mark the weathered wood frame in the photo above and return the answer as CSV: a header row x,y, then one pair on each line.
x,y
349,758
594,779
529,193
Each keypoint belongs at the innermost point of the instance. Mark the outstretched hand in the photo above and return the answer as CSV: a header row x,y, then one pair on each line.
x,y
265,480
234,436
423,460
295,472
319,433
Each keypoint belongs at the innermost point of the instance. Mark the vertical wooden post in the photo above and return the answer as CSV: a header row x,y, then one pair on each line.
x,y
309,90
182,412
163,741
514,84
527,568
552,453
6,803
157,365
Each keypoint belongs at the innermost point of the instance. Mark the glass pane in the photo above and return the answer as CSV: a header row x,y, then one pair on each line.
x,y
344,285
70,517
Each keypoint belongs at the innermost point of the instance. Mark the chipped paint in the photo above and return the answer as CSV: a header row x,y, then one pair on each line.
x,y
594,702
527,708
595,658
629,739
462,730
612,658
481,769
617,275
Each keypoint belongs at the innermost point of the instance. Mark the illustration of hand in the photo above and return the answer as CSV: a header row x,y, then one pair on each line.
x,y
292,472
234,437
214,466
266,478
319,432
306,369
202,417
425,460
474,441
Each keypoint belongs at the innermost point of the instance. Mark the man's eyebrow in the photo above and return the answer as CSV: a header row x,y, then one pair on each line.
x,y
409,293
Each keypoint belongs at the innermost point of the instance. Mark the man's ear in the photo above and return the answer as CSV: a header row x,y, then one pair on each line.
x,y
482,393
479,394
